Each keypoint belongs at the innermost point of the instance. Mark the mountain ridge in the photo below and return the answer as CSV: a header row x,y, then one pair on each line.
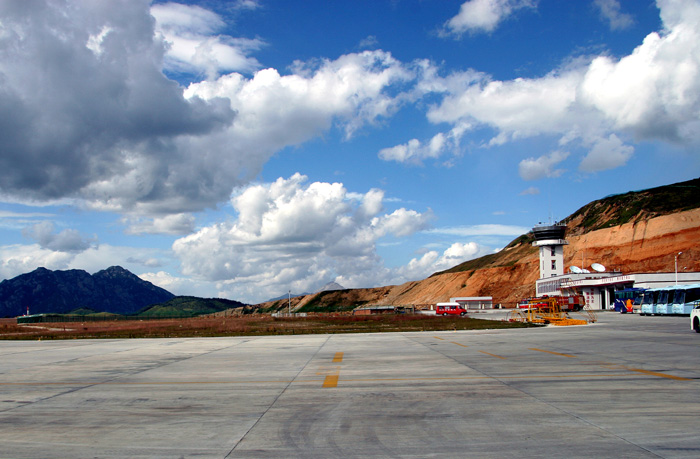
x,y
114,290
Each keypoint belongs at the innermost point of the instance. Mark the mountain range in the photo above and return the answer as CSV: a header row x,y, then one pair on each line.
x,y
634,232
114,290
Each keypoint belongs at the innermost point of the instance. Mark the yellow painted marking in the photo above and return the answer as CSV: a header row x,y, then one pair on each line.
x,y
323,371
437,337
492,355
550,352
661,375
331,381
459,344
474,378
338,357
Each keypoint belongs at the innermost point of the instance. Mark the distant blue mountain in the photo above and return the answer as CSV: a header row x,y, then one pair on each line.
x,y
113,290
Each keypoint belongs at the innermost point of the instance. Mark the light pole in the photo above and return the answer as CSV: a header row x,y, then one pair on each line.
x,y
677,266
289,304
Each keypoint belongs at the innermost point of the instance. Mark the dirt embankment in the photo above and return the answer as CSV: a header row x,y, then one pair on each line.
x,y
646,246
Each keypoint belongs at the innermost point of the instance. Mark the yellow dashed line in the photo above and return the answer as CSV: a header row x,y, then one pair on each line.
x,y
661,375
338,357
550,352
331,381
459,344
437,337
492,355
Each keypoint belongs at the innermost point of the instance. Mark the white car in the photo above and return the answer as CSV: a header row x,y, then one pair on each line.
x,y
695,319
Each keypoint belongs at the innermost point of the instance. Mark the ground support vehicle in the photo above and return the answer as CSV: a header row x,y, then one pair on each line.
x,y
553,310
695,319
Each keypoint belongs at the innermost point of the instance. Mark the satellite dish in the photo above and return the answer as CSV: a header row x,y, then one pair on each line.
x,y
597,267
576,270
585,271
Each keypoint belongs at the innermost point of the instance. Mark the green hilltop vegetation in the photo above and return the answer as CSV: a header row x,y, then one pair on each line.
x,y
608,212
179,307
188,306
637,206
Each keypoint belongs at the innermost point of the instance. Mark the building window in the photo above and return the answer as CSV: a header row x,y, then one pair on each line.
x,y
554,264
553,251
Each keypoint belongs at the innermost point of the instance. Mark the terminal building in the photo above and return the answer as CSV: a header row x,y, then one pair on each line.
x,y
596,284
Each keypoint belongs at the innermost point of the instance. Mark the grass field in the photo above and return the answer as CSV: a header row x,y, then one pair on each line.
x,y
243,325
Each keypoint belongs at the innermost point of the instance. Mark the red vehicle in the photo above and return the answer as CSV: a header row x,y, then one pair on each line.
x,y
443,309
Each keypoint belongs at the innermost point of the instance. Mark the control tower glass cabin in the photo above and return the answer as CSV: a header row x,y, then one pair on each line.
x,y
550,240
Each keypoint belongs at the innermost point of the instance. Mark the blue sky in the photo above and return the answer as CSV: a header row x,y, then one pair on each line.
x,y
246,148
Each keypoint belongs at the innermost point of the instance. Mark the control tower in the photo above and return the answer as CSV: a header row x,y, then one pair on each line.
x,y
550,240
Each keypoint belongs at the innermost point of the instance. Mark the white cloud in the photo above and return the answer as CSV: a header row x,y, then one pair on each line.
x,y
194,46
415,152
20,259
606,154
181,285
294,234
594,104
655,91
544,166
108,128
68,240
484,15
611,11
481,230
176,224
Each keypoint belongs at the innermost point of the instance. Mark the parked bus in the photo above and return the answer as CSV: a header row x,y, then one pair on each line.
x,y
628,300
685,299
649,302
664,302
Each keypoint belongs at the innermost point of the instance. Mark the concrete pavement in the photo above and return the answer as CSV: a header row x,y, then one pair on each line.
x,y
627,386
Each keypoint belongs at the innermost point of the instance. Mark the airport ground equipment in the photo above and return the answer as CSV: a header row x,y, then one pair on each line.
x,y
555,310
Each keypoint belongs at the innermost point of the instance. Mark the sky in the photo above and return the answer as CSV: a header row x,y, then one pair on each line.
x,y
244,149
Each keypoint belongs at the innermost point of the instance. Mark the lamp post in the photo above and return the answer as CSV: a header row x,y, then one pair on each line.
x,y
289,304
677,266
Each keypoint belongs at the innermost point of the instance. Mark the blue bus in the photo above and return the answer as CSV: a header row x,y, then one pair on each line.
x,y
664,301
649,302
685,299
626,299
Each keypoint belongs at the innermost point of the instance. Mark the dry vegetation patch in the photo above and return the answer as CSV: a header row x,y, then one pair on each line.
x,y
244,325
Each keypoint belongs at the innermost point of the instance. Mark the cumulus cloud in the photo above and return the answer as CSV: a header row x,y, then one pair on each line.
x,y
68,240
104,125
591,104
606,154
611,11
415,152
180,285
177,224
433,261
100,111
194,45
544,166
294,234
484,15
20,259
